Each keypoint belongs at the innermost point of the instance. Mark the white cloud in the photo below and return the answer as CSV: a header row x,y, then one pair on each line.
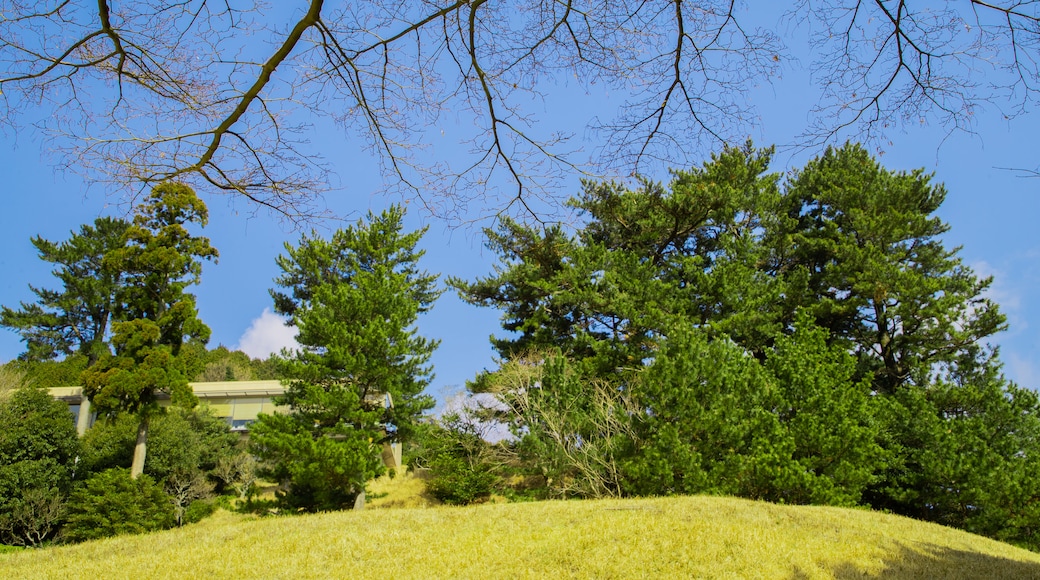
x,y
266,335
1001,291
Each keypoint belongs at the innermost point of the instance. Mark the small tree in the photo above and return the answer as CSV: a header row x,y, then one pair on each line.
x,y
572,430
357,381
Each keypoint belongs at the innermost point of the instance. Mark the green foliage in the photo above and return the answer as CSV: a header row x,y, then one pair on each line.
x,y
161,259
199,510
109,443
180,441
38,450
461,467
74,320
48,374
805,341
110,503
183,441
794,430
326,467
829,417
221,364
357,381
34,426
645,259
878,277
708,426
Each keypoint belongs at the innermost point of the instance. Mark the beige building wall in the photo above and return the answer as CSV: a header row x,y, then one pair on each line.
x,y
237,402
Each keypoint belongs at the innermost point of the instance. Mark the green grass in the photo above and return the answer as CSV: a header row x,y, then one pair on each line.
x,y
652,538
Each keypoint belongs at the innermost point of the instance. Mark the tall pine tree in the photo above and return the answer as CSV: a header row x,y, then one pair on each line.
x,y
357,381
161,260
75,319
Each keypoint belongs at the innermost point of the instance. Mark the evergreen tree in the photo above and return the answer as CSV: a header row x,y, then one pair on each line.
x,y
77,318
644,259
878,276
357,381
161,260
805,341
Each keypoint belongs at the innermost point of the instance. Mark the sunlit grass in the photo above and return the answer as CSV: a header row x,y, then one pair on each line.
x,y
653,538
401,491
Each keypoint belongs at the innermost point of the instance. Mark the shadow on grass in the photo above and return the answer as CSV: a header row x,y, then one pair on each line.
x,y
930,561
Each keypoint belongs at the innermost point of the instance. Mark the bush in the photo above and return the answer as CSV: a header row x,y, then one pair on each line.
x,y
38,447
198,510
461,470
458,482
180,441
111,503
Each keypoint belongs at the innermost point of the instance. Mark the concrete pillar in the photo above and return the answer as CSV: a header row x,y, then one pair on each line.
x,y
83,421
392,455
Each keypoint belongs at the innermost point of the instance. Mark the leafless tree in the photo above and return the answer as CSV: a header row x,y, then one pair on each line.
x,y
578,447
238,472
185,487
884,64
225,93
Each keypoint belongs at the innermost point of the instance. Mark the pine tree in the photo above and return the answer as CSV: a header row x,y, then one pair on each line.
x,y
77,318
357,381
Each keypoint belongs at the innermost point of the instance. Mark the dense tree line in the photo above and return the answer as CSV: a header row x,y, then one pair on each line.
x,y
806,339
803,340
124,326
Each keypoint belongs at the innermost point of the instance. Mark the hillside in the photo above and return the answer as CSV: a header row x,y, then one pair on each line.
x,y
654,538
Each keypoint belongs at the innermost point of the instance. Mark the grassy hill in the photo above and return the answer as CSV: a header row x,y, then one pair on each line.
x,y
651,538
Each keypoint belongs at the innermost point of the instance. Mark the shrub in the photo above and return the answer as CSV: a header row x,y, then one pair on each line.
x,y
461,468
180,441
111,503
198,510
38,447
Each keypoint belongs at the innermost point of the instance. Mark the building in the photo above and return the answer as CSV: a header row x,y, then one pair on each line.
x,y
237,402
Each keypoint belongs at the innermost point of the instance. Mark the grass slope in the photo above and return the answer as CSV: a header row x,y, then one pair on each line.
x,y
651,538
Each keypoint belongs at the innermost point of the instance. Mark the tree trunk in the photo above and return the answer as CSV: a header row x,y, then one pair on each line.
x,y
137,467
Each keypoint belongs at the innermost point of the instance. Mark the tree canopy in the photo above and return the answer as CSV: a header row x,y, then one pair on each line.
x,y
357,381
161,259
806,340
77,318
216,93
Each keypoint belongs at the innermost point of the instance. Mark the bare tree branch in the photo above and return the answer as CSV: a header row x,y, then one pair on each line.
x,y
222,94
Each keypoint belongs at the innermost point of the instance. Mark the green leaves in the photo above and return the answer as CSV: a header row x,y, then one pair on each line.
x,y
111,503
879,274
357,381
75,319
807,341
38,454
160,260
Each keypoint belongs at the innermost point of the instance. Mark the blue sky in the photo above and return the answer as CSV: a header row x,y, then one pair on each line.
x,y
992,213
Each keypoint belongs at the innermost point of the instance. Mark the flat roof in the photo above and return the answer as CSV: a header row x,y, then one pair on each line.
x,y
206,390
